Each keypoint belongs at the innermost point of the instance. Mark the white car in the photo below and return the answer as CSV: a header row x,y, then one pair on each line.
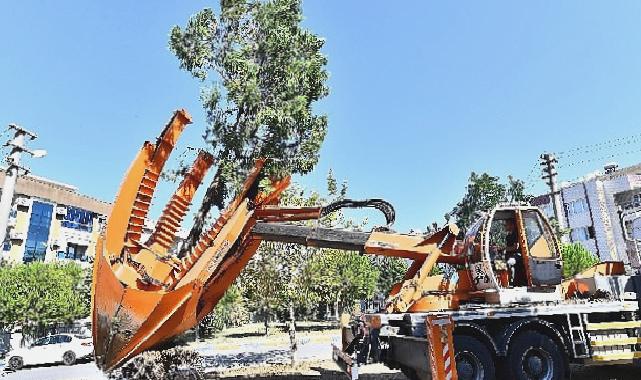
x,y
66,348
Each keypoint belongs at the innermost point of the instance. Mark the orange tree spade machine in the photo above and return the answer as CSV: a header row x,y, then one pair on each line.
x,y
500,310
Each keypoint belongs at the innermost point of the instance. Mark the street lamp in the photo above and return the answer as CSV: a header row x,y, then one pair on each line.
x,y
38,153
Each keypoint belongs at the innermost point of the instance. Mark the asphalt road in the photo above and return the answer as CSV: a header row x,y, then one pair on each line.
x,y
605,373
85,370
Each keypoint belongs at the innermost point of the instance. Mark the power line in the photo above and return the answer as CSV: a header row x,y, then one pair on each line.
x,y
532,177
609,156
629,141
598,146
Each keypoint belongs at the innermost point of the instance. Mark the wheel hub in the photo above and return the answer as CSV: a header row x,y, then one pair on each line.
x,y
534,366
537,364
468,366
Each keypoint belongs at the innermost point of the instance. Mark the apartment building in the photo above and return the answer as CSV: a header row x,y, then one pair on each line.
x,y
591,209
51,220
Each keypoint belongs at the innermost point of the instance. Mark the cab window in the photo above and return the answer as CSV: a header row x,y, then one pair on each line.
x,y
537,242
473,240
503,235
497,235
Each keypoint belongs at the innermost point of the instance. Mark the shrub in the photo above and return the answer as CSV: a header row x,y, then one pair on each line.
x,y
576,259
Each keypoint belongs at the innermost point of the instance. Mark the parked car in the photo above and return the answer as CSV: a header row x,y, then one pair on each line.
x,y
5,343
66,348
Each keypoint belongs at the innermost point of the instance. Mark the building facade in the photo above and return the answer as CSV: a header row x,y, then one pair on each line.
x,y
52,221
591,209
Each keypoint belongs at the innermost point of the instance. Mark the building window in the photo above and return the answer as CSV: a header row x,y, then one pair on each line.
x,y
576,207
78,219
38,234
582,233
76,252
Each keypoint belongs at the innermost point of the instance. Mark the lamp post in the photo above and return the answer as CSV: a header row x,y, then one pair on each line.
x,y
17,145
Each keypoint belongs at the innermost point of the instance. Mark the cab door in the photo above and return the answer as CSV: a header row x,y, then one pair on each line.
x,y
543,259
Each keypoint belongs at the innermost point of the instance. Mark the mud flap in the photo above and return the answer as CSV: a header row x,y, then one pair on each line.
x,y
440,337
347,364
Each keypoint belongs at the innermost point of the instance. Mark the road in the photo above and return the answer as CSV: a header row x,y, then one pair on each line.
x,y
86,370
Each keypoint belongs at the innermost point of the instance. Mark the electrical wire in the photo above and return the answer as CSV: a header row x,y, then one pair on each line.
x,y
600,158
588,148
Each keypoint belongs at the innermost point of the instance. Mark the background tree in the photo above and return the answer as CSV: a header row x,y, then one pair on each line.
x,y
229,312
282,278
337,277
343,277
485,191
275,281
576,259
263,282
36,295
391,271
277,278
266,72
516,190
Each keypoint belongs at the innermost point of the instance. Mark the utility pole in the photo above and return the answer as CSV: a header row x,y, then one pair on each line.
x,y
548,162
17,145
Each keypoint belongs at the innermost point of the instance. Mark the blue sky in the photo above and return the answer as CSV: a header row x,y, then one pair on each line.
x,y
421,93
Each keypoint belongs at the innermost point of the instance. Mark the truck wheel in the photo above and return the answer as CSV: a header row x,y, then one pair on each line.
x,y
473,359
535,356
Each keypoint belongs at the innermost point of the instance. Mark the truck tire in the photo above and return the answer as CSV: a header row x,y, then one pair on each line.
x,y
534,356
474,360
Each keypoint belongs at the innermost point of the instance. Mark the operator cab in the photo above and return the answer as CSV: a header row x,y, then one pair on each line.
x,y
513,250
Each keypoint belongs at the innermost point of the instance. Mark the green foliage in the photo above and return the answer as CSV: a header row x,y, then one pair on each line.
x,y
265,279
39,293
281,275
558,231
391,271
437,270
229,312
342,277
277,276
267,72
576,259
483,193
